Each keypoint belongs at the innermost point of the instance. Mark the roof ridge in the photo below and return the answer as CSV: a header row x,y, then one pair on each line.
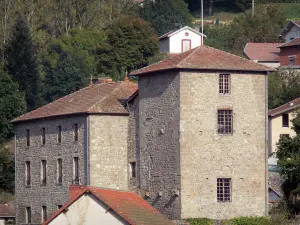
x,y
192,51
288,42
98,102
250,61
284,104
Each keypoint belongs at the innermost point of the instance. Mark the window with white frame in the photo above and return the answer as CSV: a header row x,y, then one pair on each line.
x,y
224,84
224,189
27,173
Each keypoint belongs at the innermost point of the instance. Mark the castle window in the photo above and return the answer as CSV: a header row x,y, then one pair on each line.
x,y
59,206
28,137
28,215
224,84
75,170
285,120
224,189
43,136
59,134
133,169
43,172
27,173
44,213
75,132
59,171
225,122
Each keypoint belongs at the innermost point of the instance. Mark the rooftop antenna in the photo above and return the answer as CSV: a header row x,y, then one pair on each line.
x,y
202,38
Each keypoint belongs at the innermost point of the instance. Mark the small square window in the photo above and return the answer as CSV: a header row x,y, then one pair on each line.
x,y
224,84
292,60
285,120
28,215
133,169
59,129
224,189
43,136
225,122
28,137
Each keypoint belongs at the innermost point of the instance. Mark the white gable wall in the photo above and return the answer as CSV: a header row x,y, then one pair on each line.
x,y
176,40
87,210
292,33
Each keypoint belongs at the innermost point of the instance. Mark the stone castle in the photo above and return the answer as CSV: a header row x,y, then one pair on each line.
x,y
191,138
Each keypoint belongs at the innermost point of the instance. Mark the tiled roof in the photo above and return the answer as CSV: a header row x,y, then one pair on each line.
x,y
297,22
104,98
285,108
204,58
263,51
294,42
128,205
7,210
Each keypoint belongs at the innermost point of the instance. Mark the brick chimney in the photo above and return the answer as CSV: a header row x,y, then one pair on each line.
x,y
100,80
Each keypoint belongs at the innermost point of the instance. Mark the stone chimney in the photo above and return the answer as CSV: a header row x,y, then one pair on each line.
x,y
100,80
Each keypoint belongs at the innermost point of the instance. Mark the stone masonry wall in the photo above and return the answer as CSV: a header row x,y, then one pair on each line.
x,y
108,151
206,155
52,194
159,141
133,139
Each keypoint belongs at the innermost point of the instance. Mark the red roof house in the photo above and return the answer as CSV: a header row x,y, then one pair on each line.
x,y
263,53
90,205
290,54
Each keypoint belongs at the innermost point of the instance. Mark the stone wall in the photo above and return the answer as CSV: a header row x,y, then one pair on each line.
x,y
52,194
206,155
159,141
133,139
108,151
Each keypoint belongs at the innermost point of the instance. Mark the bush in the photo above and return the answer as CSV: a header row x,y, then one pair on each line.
x,y
250,221
200,221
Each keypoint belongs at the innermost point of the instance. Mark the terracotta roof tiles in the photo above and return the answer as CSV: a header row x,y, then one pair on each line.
x,y
294,42
7,210
268,52
104,98
285,107
128,205
204,58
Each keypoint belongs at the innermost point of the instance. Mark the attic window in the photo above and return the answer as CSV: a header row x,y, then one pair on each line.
x,y
285,120
224,84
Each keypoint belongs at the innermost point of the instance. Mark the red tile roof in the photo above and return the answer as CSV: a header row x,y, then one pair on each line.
x,y
104,98
294,42
263,51
285,108
7,210
204,58
128,205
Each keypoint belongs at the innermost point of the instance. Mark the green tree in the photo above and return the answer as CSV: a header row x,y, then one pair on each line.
x,y
165,15
68,75
288,154
131,42
7,173
21,63
12,105
284,86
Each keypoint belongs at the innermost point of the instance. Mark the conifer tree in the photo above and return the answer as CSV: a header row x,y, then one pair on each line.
x,y
21,63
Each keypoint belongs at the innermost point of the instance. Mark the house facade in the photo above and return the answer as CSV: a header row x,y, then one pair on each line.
x,y
290,54
181,40
93,206
263,53
203,135
280,122
59,144
291,30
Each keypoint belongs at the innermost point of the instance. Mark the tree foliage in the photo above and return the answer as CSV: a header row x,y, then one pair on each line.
x,y
7,173
165,15
131,42
21,63
284,86
12,104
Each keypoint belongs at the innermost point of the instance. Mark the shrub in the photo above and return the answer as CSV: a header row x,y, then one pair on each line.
x,y
200,221
250,221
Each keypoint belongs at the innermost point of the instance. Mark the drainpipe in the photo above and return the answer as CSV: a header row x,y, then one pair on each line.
x,y
87,155
266,143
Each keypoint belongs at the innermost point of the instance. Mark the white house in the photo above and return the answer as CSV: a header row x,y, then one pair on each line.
x,y
291,30
180,40
92,206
